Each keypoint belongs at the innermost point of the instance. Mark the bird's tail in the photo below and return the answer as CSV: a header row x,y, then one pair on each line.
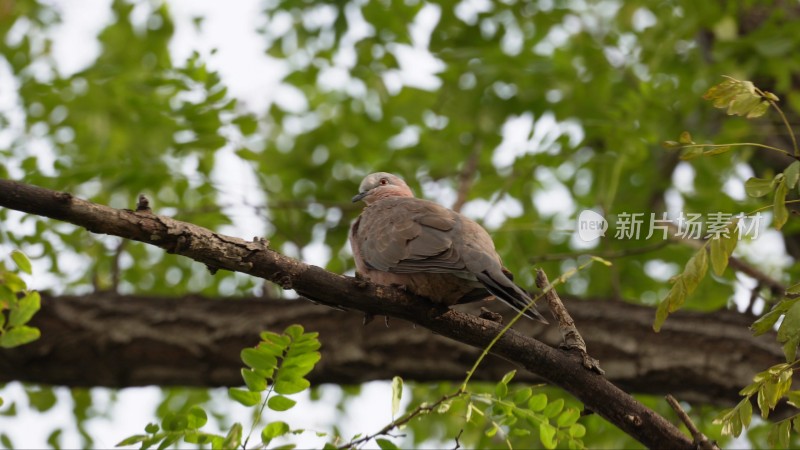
x,y
506,290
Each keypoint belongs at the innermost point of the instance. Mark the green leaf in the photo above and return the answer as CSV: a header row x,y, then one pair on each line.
x,y
169,440
719,259
675,296
174,422
779,434
693,273
13,282
234,437
789,332
248,124
671,145
792,174
386,444
25,309
779,206
522,395
19,336
54,439
397,394
685,138
537,402
500,390
289,386
768,320
508,377
280,403
295,331
42,399
273,430
259,359
690,153
568,417
745,412
553,408
793,289
246,398
717,150
758,187
254,381
547,435
135,439
151,428
22,261
577,430
197,417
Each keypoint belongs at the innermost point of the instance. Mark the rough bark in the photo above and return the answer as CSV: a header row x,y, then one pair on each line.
x,y
111,340
255,258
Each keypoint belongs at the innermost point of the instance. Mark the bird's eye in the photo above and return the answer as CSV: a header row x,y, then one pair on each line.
x,y
384,181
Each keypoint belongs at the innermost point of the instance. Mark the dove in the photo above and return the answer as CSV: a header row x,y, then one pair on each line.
x,y
430,250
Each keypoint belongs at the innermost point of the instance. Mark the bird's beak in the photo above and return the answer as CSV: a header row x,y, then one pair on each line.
x,y
360,196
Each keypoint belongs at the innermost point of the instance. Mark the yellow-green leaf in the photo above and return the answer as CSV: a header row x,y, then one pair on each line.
x,y
717,150
685,138
397,394
547,434
22,261
691,153
779,207
792,174
758,187
19,336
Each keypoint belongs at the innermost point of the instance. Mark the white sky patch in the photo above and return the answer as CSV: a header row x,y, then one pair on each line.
x,y
418,66
441,192
553,198
683,178
81,21
249,73
734,185
238,186
660,270
493,215
527,135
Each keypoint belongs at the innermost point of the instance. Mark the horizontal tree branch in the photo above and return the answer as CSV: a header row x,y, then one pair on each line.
x,y
257,259
105,339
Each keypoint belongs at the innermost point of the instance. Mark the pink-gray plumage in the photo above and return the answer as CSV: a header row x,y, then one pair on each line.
x,y
433,251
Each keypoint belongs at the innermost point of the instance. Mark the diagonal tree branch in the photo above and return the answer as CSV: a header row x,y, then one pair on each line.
x,y
257,259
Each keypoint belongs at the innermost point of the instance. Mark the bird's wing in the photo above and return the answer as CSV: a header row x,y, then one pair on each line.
x,y
409,235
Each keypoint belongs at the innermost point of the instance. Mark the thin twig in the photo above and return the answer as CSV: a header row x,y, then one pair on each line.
x,y
783,118
699,438
611,254
458,444
402,420
467,176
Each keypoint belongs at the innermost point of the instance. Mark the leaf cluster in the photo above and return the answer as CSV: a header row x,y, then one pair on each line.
x,y
17,304
275,369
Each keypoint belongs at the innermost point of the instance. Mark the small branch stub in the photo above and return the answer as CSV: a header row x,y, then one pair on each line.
x,y
143,205
572,338
700,439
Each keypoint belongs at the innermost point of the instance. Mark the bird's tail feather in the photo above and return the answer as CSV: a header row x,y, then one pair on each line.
x,y
511,294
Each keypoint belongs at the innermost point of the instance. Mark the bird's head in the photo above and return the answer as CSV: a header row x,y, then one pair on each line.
x,y
381,185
